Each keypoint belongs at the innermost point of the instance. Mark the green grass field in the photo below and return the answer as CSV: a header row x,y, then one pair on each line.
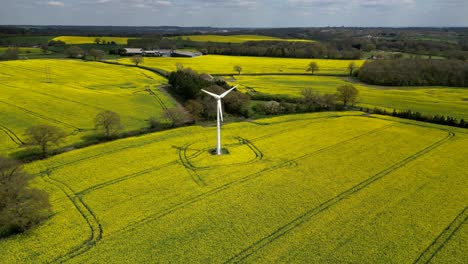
x,y
428,100
90,40
237,38
69,93
217,64
327,187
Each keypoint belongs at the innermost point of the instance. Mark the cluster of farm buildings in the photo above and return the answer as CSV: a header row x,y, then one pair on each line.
x,y
158,53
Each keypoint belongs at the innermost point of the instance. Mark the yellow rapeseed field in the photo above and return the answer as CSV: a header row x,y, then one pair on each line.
x,y
451,101
90,40
237,38
218,64
309,188
69,93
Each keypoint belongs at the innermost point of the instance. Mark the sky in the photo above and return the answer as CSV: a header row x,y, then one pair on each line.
x,y
237,13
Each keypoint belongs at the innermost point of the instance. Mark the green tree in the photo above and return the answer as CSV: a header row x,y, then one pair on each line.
x,y
75,52
44,136
137,59
347,93
21,207
97,54
313,67
351,68
238,69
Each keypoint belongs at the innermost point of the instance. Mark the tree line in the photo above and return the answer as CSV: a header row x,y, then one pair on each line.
x,y
408,72
414,115
281,49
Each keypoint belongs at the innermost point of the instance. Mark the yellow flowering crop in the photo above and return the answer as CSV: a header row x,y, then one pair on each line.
x,y
218,64
69,93
308,188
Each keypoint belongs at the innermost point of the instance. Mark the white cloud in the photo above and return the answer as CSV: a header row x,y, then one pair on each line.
x,y
55,3
163,3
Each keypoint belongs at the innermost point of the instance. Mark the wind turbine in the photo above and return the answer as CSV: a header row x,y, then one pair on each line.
x,y
219,115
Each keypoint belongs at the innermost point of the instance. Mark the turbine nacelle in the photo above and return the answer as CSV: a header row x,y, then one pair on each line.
x,y
218,98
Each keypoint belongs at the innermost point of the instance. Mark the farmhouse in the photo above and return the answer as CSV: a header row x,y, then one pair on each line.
x,y
131,51
188,54
158,53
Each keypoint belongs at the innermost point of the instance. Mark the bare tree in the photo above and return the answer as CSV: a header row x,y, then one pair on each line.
x,y
313,67
97,54
351,67
195,108
347,93
328,100
177,116
238,69
109,122
74,52
44,136
310,98
137,59
44,48
21,207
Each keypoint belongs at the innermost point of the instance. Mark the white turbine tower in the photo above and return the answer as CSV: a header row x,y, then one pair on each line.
x,y
219,115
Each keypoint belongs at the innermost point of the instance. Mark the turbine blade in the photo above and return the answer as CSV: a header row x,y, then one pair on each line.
x,y
228,91
212,94
220,111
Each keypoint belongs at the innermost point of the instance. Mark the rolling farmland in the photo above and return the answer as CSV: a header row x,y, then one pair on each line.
x,y
217,64
237,38
450,101
69,93
329,187
90,40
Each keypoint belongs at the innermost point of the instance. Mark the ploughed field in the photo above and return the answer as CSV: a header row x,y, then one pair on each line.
x,y
219,64
69,94
236,38
451,101
324,187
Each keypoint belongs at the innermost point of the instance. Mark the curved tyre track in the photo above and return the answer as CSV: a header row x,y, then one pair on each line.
x,y
12,135
246,178
283,230
42,116
445,236
86,213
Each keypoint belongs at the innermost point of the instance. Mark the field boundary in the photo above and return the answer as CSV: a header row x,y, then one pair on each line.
x,y
285,229
445,236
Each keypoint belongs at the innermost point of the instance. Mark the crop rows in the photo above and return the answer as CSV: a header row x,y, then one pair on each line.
x,y
283,230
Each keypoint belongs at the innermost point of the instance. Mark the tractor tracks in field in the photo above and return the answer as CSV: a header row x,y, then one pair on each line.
x,y
126,177
439,242
12,135
86,213
219,189
158,99
192,169
43,116
303,218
